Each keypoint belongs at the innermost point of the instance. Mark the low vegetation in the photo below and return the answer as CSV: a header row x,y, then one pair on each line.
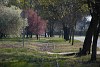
x,y
34,53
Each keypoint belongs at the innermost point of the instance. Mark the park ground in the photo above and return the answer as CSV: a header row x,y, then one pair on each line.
x,y
36,53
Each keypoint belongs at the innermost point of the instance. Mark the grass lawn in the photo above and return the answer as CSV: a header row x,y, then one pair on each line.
x,y
13,54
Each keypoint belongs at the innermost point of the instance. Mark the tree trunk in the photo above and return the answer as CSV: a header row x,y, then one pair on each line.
x,y
51,33
70,32
88,38
37,36
45,34
51,30
31,35
91,29
73,36
66,33
94,46
96,32
1,35
59,33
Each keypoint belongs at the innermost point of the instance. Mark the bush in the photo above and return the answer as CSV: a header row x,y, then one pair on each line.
x,y
10,21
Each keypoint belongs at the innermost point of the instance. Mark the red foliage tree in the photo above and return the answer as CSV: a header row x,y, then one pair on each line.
x,y
41,26
36,24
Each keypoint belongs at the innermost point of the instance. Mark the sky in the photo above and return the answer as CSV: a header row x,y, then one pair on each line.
x,y
88,18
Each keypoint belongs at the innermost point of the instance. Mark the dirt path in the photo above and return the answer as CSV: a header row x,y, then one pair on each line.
x,y
64,53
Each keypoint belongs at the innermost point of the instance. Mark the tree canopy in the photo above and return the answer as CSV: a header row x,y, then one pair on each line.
x,y
10,20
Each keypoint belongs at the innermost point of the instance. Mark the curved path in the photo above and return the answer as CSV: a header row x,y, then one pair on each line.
x,y
67,53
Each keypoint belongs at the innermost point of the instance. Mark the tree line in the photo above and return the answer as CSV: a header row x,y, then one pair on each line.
x,y
66,13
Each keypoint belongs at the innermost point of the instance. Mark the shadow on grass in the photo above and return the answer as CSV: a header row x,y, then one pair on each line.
x,y
44,61
26,61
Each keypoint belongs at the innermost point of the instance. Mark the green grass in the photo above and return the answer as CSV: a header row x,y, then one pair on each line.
x,y
42,40
13,54
50,40
47,61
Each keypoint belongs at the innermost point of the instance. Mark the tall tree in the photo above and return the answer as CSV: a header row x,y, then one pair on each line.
x,y
93,30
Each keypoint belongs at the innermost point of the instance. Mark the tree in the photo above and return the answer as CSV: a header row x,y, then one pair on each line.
x,y
59,11
93,30
36,24
10,21
52,10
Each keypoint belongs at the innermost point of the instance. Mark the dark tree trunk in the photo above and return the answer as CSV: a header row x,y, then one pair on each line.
x,y
51,33
73,36
89,33
45,34
31,35
88,38
51,30
70,33
94,46
66,33
37,36
91,30
2,35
